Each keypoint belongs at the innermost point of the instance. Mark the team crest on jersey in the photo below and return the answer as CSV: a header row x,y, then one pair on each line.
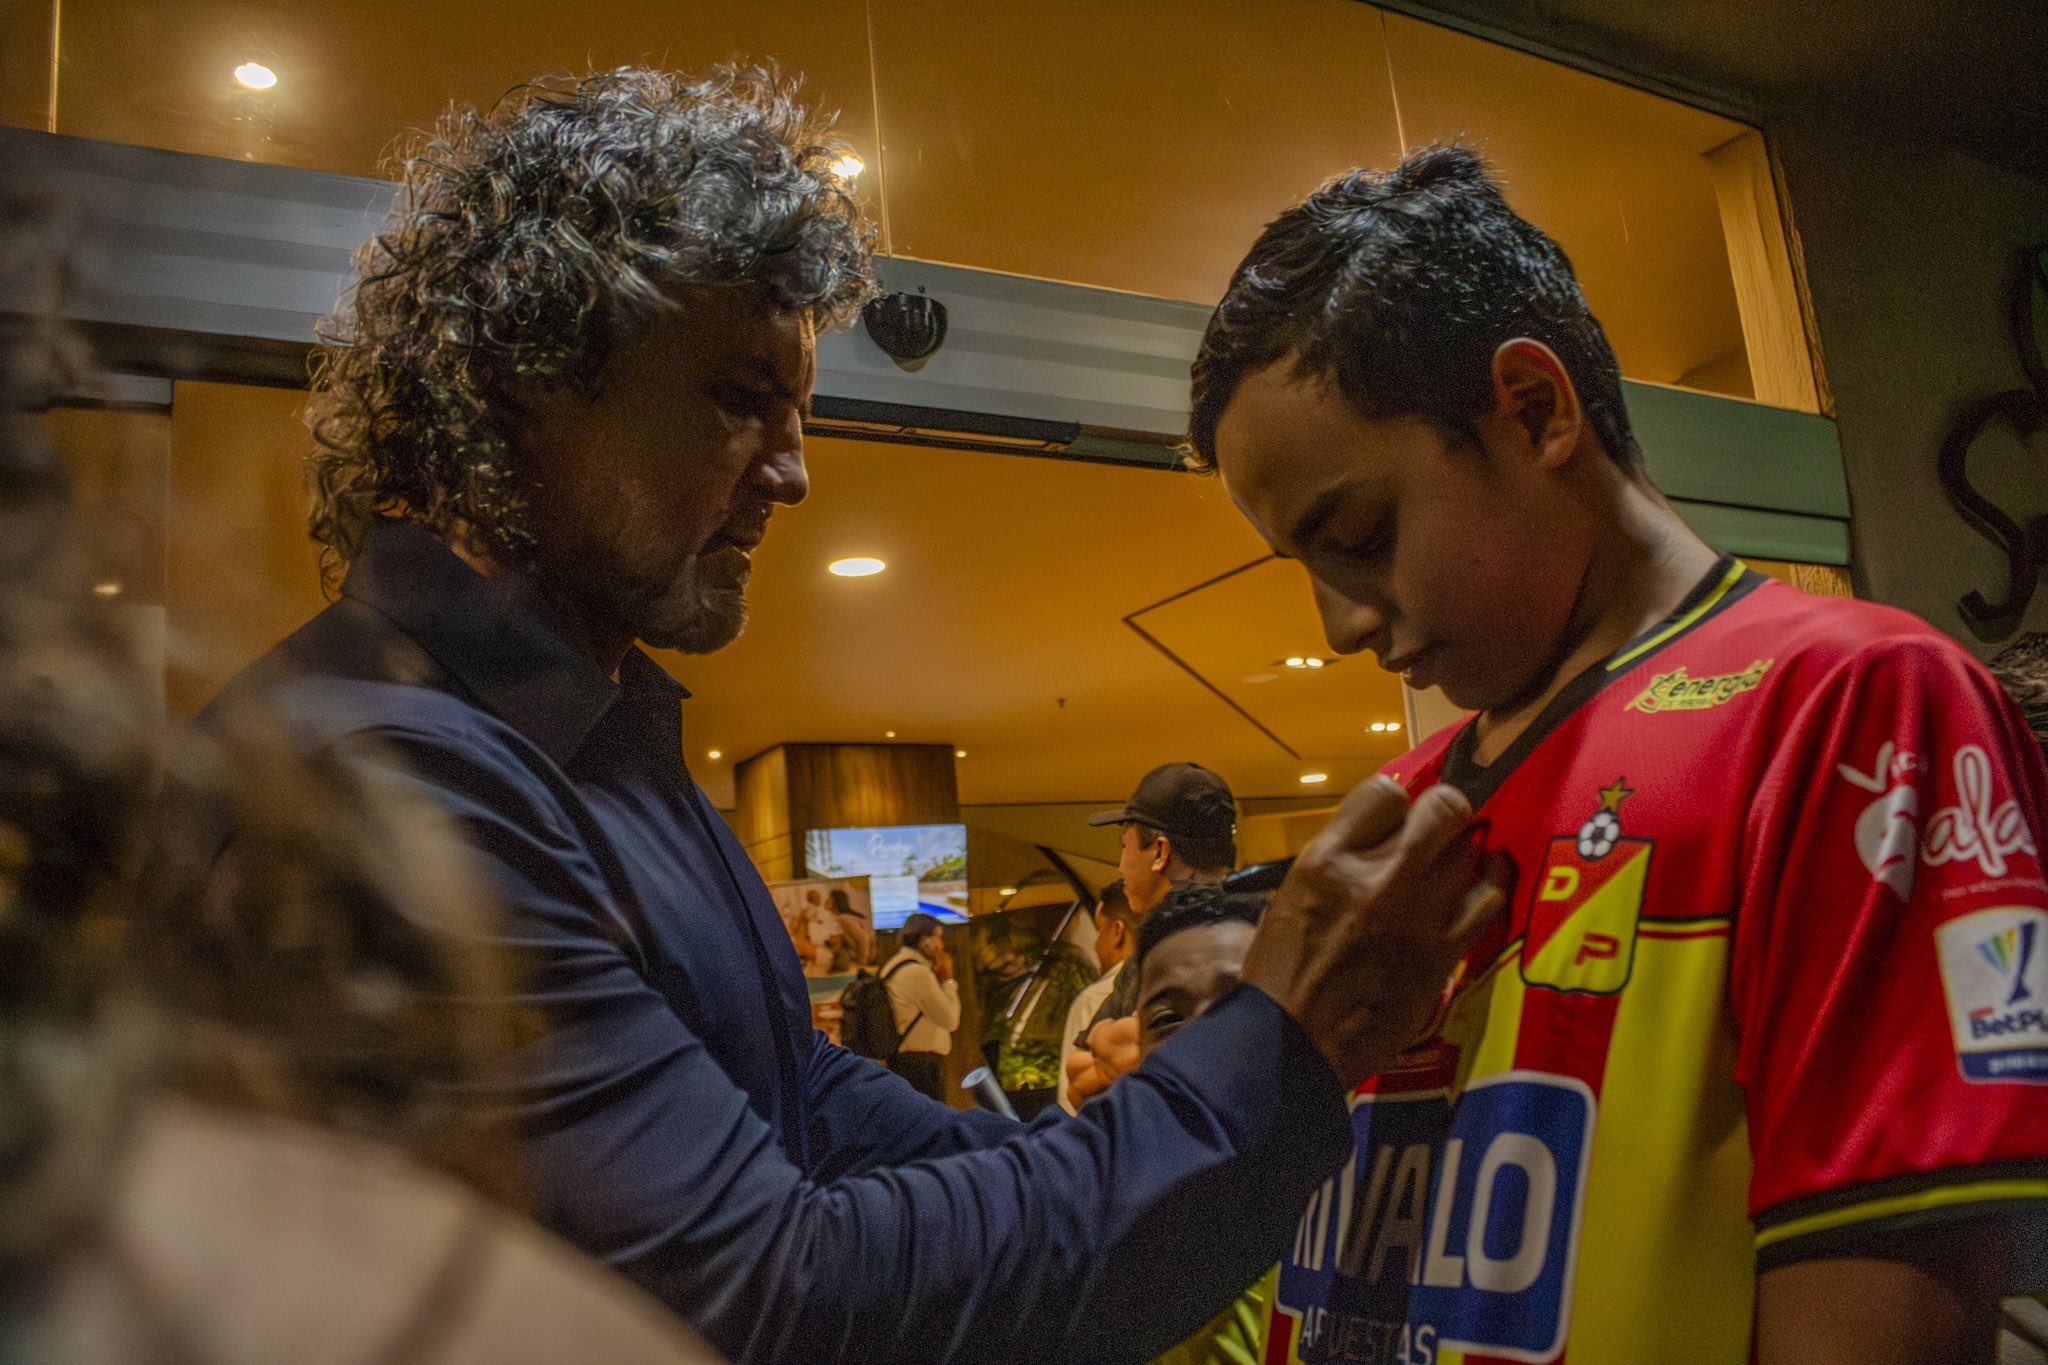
x,y
1582,923
1680,691
1994,968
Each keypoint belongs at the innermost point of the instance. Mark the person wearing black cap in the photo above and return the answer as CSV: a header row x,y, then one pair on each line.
x,y
1179,826
1179,829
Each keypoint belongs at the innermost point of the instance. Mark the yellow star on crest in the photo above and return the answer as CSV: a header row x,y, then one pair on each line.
x,y
1612,797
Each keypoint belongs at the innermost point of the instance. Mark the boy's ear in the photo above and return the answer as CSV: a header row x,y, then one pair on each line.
x,y
1531,389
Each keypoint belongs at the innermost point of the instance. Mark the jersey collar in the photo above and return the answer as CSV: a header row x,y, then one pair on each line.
x,y
1726,583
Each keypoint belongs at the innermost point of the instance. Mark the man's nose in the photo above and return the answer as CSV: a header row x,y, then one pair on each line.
x,y
1348,625
780,472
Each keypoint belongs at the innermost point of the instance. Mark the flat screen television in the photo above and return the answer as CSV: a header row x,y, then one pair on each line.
x,y
909,867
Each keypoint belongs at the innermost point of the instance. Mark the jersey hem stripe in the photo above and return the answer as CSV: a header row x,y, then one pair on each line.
x,y
1825,1232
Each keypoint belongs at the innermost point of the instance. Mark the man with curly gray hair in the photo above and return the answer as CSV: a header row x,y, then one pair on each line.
x,y
553,420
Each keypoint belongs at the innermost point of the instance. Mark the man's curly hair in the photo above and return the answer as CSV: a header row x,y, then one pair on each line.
x,y
526,242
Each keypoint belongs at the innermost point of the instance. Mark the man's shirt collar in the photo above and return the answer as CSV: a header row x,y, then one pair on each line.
x,y
516,665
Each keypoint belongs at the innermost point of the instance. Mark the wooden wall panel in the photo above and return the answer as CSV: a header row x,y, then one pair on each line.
x,y
791,789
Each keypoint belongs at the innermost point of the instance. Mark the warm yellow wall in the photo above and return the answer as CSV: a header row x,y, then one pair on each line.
x,y
240,571
25,62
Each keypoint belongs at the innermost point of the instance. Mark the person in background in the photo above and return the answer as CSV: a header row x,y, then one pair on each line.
x,y
1190,953
856,935
1116,933
2022,670
1179,828
554,417
1755,1070
926,1000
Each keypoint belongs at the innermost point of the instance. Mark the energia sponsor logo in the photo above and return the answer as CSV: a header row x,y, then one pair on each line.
x,y
1680,691
1994,969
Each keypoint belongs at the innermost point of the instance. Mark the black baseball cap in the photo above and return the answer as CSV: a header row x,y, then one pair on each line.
x,y
1184,800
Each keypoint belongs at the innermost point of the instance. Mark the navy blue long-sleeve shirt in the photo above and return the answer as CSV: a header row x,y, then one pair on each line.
x,y
686,1124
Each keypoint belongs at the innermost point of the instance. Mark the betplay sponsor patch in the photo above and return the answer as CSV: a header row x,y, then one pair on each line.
x,y
1994,966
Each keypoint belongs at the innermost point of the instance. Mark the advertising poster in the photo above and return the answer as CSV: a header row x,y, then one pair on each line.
x,y
910,868
831,923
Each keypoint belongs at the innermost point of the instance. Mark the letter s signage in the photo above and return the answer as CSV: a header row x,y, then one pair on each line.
x,y
1503,1222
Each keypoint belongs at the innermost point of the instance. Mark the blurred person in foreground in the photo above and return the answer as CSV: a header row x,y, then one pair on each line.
x,y
1757,1065
209,1115
1178,829
554,417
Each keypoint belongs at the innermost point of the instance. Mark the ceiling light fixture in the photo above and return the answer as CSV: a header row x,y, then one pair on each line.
x,y
715,754
848,166
959,753
107,589
1006,891
1295,661
255,75
858,567
1310,779
888,734
1392,726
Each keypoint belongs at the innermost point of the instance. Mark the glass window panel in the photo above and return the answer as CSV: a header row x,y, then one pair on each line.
x,y
351,75
1619,177
1136,146
240,571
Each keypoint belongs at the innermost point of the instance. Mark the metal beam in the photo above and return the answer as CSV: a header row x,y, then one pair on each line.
x,y
194,267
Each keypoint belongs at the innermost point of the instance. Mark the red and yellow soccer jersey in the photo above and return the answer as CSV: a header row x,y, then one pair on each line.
x,y
1774,980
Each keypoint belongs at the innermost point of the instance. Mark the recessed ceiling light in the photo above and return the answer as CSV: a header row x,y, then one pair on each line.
x,y
1312,662
959,753
888,734
1310,779
715,754
848,166
255,75
858,567
1006,891
1393,725
107,589
1295,661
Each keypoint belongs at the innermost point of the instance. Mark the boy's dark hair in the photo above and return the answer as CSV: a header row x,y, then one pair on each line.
x,y
1190,907
1398,286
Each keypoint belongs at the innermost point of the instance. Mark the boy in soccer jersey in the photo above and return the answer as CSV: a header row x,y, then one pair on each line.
x,y
1756,1067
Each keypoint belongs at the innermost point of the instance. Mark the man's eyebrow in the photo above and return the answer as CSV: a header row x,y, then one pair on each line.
x,y
765,372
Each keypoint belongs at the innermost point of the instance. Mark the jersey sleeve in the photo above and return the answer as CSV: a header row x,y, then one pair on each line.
x,y
1889,981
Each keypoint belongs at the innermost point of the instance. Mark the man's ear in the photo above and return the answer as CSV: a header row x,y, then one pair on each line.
x,y
1162,853
1531,389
